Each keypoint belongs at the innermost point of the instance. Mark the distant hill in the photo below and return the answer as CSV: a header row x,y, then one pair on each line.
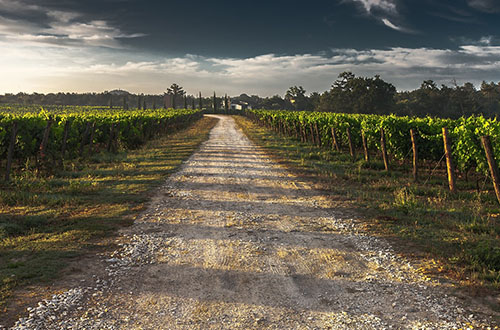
x,y
119,92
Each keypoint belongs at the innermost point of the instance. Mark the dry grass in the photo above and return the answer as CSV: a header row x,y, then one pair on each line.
x,y
456,236
47,221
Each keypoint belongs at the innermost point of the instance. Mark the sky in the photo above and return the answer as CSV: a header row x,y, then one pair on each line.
x,y
253,47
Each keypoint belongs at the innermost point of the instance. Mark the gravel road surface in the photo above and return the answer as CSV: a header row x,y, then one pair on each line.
x,y
234,241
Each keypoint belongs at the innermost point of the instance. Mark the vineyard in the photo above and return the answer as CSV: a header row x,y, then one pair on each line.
x,y
391,136
48,136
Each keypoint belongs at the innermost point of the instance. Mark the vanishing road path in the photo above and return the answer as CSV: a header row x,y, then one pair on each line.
x,y
234,241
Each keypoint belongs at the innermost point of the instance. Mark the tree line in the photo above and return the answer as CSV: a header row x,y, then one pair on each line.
x,y
348,94
372,95
115,98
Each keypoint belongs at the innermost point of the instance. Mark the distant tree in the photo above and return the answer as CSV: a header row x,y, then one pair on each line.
x,y
275,102
465,98
143,102
351,94
314,100
489,98
226,103
175,90
253,101
296,97
200,102
215,103
111,101
428,99
185,102
154,103
338,99
138,102
192,104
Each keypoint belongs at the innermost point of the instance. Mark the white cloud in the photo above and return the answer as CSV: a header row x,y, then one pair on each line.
x,y
391,25
42,68
384,5
56,27
381,10
486,40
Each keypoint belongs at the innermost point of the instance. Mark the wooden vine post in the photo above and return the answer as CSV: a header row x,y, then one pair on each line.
x,y
449,160
365,146
335,142
91,139
318,137
84,137
111,137
10,153
413,135
351,145
492,164
65,138
45,140
384,149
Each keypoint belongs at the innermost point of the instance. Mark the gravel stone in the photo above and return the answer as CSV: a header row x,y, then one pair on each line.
x,y
234,241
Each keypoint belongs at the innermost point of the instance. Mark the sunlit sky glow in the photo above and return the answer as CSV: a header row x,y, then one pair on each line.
x,y
250,47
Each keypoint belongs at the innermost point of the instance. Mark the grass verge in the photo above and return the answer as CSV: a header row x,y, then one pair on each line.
x,y
453,236
46,222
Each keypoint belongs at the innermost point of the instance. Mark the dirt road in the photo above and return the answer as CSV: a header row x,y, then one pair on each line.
x,y
233,241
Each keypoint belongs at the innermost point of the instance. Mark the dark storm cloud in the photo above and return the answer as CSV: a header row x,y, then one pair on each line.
x,y
40,22
488,6
242,29
260,46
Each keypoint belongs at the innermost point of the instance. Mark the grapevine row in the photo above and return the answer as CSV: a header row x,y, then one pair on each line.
x,y
362,131
465,133
71,134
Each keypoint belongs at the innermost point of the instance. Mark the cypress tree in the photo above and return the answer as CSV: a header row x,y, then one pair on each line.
x,y
226,103
215,103
144,104
111,101
192,105
138,102
185,102
200,102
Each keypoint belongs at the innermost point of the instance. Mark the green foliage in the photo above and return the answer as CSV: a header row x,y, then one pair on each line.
x,y
487,252
176,91
46,221
405,199
465,133
131,128
351,94
16,225
297,99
